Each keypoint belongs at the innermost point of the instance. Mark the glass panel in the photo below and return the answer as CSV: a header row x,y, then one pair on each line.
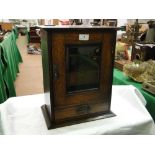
x,y
82,67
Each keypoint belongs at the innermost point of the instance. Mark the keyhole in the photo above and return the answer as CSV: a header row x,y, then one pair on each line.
x,y
137,57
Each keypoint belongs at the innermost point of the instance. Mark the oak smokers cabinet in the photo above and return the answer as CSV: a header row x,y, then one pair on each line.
x,y
77,73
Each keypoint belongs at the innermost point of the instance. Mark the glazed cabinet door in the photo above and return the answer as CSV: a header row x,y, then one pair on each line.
x,y
82,71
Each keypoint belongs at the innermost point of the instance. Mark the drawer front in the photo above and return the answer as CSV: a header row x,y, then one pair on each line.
x,y
80,110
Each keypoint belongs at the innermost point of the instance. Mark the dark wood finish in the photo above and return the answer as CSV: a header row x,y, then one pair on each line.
x,y
119,64
109,22
64,107
33,36
0,27
46,116
143,52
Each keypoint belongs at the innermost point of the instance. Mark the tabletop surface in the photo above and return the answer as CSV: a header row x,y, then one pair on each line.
x,y
120,79
50,27
23,115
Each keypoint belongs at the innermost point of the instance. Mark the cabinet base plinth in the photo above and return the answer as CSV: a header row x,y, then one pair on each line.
x,y
72,121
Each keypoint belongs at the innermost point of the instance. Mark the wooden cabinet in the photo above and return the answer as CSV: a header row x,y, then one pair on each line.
x,y
6,26
143,51
77,72
33,36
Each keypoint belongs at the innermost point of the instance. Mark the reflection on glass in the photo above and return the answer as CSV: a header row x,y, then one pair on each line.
x,y
82,67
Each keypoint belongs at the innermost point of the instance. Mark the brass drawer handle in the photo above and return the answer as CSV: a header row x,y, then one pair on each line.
x,y
82,109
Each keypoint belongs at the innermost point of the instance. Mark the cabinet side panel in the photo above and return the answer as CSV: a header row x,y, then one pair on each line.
x,y
46,68
108,63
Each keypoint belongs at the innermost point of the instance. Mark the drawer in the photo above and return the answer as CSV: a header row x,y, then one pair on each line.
x,y
80,110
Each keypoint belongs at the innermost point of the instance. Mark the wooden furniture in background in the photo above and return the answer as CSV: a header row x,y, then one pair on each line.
x,y
48,21
6,26
33,36
143,51
77,72
109,22
120,63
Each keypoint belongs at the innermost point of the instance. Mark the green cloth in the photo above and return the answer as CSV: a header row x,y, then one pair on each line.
x,y
15,30
10,59
12,54
7,77
3,94
25,30
120,79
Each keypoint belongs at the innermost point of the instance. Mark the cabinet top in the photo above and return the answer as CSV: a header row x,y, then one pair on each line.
x,y
76,27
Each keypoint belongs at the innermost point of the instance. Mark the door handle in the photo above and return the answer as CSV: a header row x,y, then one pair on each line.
x,y
55,72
